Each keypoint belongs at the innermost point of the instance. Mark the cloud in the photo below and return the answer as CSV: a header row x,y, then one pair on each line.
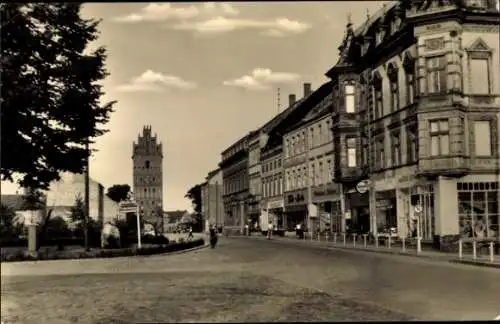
x,y
158,12
261,79
222,24
151,81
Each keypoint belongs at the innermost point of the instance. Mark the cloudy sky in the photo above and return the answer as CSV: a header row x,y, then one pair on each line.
x,y
204,74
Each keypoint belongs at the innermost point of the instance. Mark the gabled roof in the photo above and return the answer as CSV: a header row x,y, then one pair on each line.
x,y
311,106
270,125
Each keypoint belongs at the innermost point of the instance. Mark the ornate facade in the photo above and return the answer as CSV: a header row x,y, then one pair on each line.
x,y
417,101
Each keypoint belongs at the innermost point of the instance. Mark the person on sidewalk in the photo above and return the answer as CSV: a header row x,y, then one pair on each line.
x,y
213,237
190,235
297,230
270,228
247,230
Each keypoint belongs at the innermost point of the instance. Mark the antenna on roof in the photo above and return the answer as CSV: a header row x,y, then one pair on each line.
x,y
278,100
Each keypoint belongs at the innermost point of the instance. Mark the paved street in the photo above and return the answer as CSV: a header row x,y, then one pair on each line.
x,y
248,280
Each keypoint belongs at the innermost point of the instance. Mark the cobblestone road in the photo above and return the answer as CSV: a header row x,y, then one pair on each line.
x,y
248,280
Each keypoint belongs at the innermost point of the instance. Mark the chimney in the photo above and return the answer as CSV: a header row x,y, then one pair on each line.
x,y
307,89
291,99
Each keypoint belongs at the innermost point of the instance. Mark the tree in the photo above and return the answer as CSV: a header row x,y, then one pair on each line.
x,y
118,192
78,219
78,213
50,91
8,226
194,194
57,227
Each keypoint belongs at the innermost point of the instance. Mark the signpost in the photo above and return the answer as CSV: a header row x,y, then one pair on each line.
x,y
418,209
362,186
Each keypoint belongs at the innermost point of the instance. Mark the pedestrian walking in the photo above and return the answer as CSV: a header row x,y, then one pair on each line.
x,y
213,237
190,233
247,230
270,228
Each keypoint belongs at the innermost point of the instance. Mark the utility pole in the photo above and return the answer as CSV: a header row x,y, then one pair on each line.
x,y
87,198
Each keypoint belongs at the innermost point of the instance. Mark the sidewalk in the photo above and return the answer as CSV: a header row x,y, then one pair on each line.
x,y
481,260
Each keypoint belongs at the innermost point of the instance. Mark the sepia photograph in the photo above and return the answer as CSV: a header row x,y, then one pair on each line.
x,y
264,161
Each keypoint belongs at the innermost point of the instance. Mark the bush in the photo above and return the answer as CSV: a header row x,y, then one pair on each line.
x,y
99,253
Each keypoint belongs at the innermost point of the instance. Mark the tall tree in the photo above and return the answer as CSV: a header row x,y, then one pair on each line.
x,y
8,226
194,194
50,90
118,192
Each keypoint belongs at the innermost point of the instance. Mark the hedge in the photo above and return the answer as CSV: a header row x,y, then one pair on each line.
x,y
94,241
101,253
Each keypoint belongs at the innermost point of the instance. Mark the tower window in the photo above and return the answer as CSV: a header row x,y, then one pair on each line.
x,y
147,164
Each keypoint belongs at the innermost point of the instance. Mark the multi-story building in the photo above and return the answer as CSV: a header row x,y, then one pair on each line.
x,y
204,204
147,157
416,111
234,166
254,179
272,202
212,207
297,140
322,193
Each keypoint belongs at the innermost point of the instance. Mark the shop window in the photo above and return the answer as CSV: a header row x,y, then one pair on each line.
x,y
440,138
478,210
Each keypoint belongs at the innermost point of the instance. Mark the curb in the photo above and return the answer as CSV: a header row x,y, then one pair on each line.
x,y
400,253
477,264
187,250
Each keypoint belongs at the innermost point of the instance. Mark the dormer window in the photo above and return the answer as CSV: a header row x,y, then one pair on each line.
x,y
395,25
480,4
380,37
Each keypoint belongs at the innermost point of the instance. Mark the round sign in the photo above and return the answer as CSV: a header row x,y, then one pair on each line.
x,y
362,187
418,209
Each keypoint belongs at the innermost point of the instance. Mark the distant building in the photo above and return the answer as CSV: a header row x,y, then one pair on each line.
x,y
62,195
147,160
212,205
234,166
171,219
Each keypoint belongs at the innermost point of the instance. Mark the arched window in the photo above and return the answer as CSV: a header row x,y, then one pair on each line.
x,y
392,73
411,85
378,93
147,164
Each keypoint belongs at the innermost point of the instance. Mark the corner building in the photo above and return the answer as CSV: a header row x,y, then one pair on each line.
x,y
417,111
